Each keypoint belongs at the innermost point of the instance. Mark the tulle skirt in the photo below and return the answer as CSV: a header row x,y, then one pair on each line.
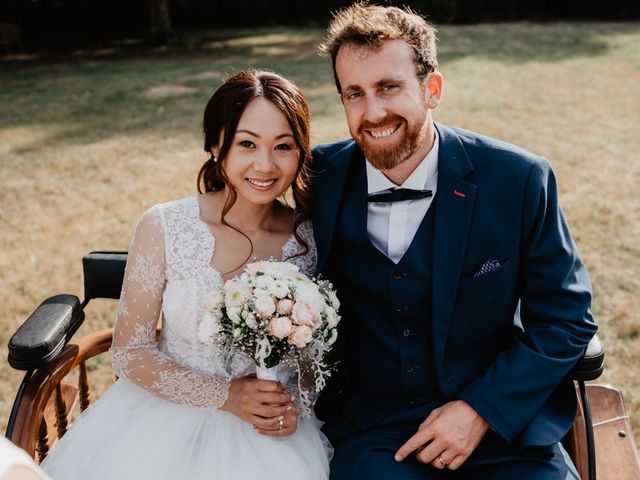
x,y
131,434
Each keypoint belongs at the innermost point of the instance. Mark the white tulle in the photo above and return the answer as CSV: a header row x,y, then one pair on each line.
x,y
161,420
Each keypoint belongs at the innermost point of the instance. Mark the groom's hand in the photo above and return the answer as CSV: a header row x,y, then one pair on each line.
x,y
447,437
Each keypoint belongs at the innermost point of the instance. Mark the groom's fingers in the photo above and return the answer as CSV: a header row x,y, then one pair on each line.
x,y
431,451
418,440
456,462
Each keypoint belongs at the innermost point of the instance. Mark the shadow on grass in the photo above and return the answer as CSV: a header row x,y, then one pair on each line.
x,y
524,42
160,90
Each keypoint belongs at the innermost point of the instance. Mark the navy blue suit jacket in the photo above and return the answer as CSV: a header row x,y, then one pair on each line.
x,y
494,201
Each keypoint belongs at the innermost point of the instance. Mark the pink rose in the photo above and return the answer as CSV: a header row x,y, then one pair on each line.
x,y
303,314
280,327
301,336
265,306
285,306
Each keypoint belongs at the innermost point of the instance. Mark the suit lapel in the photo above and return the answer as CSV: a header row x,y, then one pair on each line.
x,y
454,210
328,192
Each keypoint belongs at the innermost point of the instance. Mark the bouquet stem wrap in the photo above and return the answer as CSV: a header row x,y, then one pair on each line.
x,y
264,373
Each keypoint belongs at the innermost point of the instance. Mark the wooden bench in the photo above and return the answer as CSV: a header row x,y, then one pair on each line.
x,y
46,402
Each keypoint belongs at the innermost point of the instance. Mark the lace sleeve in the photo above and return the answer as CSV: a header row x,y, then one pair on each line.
x,y
135,349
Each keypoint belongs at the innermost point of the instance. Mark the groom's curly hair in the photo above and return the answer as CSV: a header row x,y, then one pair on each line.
x,y
221,117
366,25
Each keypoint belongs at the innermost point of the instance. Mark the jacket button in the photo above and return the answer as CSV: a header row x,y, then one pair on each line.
x,y
397,307
409,368
406,332
397,275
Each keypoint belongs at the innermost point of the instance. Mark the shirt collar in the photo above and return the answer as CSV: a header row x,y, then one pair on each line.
x,y
419,178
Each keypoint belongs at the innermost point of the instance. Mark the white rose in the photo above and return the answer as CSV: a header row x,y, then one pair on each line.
x,y
259,292
255,267
247,280
301,336
280,269
237,332
284,306
279,289
303,314
265,306
212,300
298,279
309,293
332,317
264,282
280,327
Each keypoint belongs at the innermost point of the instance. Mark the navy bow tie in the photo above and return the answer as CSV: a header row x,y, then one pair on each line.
x,y
398,195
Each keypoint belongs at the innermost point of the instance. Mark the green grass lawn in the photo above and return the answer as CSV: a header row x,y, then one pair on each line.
x,y
89,142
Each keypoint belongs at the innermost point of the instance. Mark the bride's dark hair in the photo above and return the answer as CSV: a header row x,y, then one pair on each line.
x,y
222,114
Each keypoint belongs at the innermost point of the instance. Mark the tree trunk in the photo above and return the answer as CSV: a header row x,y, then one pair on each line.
x,y
161,29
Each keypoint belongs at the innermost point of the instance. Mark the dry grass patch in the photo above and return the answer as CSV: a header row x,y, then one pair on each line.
x,y
82,155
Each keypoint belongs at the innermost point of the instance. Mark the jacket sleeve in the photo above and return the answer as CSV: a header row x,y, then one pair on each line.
x,y
555,296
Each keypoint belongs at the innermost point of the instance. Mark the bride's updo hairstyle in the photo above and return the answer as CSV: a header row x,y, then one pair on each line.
x,y
222,114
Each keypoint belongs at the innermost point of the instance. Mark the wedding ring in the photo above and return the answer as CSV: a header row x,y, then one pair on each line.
x,y
441,461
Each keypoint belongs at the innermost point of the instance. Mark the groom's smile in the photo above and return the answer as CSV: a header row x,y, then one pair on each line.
x,y
383,132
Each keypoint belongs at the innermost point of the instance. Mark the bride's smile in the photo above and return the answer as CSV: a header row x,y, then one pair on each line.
x,y
263,158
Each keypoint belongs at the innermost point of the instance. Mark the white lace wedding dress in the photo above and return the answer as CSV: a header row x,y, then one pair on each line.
x,y
161,419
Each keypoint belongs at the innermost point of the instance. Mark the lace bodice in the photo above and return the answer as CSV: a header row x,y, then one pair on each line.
x,y
169,272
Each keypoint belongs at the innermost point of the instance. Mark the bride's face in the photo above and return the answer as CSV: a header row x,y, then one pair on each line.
x,y
263,158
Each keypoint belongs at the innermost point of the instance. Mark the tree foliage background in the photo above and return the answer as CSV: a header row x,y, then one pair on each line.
x,y
42,21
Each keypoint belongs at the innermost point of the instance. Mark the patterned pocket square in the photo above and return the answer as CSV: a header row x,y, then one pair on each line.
x,y
489,266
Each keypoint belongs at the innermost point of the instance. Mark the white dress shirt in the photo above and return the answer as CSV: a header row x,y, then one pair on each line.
x,y
393,225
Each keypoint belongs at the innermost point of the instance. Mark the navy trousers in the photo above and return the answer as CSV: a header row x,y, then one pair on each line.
x,y
369,455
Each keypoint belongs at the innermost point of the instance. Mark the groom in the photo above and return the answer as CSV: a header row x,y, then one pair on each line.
x,y
464,301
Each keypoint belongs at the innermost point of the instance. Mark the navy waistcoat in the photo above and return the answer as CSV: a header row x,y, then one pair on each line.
x,y
387,347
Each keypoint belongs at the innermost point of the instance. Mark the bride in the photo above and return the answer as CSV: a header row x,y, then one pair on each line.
x,y
172,414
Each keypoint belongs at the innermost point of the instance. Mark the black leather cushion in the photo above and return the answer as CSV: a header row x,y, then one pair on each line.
x,y
45,333
592,364
103,274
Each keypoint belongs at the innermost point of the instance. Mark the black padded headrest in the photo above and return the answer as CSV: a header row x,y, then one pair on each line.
x,y
103,274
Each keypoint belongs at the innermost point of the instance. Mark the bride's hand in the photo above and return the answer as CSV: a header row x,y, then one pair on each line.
x,y
262,403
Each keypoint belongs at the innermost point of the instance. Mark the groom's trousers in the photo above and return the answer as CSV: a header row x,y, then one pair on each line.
x,y
369,455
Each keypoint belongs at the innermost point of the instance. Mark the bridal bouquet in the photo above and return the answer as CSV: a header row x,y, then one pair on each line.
x,y
274,314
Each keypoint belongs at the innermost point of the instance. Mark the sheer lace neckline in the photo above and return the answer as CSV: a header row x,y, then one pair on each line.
x,y
286,246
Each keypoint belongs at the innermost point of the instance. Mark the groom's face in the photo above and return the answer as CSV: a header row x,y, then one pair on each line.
x,y
386,104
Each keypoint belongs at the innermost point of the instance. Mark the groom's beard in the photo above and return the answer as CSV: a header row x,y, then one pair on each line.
x,y
384,155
